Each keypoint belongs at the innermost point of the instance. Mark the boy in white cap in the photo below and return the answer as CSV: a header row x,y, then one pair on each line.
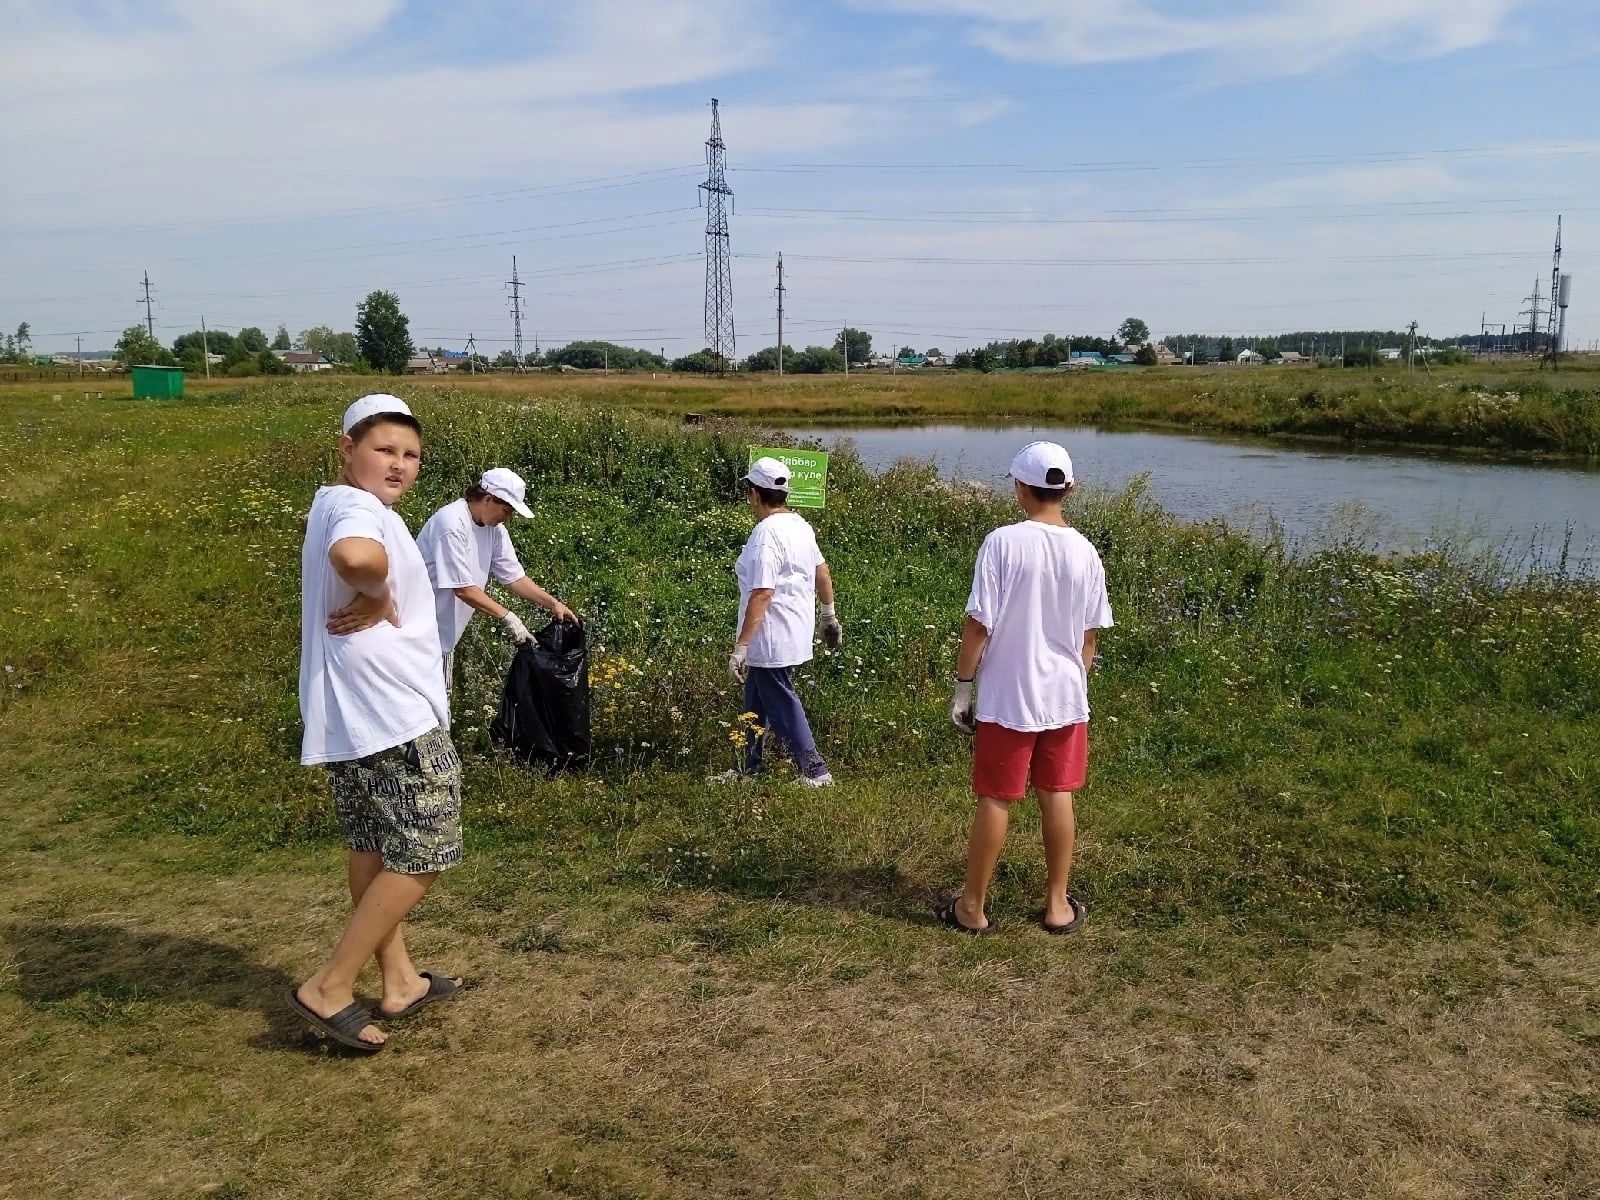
x,y
374,708
466,542
781,575
1038,598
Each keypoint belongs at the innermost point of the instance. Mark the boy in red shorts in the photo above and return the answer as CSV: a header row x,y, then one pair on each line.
x,y
1038,598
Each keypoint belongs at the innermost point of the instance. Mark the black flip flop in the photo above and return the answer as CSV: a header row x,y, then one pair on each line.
x,y
946,912
440,987
1080,914
344,1026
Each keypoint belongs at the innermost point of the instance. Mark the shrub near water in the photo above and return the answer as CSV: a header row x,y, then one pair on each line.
x,y
1285,743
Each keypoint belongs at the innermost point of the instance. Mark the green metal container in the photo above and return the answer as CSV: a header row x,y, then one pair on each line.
x,y
157,383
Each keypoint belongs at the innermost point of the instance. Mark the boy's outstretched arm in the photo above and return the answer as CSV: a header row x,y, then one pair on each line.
x,y
364,564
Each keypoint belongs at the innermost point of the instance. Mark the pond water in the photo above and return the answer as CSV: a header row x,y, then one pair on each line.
x,y
1525,512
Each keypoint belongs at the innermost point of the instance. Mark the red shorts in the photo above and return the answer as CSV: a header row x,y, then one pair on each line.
x,y
1004,759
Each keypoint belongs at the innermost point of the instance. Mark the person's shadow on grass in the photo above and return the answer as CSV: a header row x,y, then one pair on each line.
x,y
102,973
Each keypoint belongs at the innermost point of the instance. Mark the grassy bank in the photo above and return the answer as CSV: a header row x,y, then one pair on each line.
x,y
1339,847
1499,408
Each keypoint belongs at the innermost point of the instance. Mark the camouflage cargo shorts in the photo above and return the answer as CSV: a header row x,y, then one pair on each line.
x,y
403,803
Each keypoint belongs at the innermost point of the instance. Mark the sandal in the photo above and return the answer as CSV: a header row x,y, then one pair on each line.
x,y
344,1026
946,912
440,987
1080,914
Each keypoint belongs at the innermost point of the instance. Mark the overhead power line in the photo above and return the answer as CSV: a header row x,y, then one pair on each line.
x,y
1219,260
1150,216
535,191
1102,166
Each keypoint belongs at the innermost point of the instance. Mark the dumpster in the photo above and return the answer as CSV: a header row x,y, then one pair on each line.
x,y
157,383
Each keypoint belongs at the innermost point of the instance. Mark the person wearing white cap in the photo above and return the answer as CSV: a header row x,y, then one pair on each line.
x,y
375,714
466,542
781,575
1038,597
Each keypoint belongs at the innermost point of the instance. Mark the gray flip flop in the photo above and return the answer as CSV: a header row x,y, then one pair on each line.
x,y
1080,914
344,1026
946,912
440,987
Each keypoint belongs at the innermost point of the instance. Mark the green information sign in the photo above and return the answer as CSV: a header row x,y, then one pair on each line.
x,y
808,473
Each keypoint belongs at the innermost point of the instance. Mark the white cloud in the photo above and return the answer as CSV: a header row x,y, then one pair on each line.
x,y
1400,182
199,109
1265,38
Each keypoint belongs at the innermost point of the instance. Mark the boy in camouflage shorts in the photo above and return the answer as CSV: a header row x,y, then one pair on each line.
x,y
375,712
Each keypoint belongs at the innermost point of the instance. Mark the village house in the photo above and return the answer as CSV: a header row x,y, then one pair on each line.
x,y
304,360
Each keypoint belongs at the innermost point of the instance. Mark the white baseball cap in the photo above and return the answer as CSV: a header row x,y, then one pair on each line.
x,y
1042,464
505,484
769,473
371,406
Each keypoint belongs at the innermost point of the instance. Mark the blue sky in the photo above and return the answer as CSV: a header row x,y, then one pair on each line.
x,y
940,172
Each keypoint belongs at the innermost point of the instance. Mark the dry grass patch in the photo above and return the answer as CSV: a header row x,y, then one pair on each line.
x,y
617,1046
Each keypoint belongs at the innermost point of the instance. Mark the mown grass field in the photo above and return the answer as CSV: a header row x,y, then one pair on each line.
x,y
1339,845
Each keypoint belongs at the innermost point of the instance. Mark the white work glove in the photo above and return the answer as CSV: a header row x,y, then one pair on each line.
x,y
963,706
514,626
736,664
832,631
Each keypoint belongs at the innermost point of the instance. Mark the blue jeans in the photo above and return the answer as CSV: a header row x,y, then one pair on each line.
x,y
769,693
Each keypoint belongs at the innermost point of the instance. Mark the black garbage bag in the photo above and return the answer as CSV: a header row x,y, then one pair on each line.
x,y
544,712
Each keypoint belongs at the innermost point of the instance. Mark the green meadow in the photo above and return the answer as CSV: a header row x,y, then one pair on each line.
x,y
1340,844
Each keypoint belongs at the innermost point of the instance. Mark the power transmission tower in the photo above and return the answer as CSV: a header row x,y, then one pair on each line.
x,y
1533,312
149,319
719,270
780,314
515,284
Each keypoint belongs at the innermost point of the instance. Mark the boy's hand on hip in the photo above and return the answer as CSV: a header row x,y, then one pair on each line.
x,y
363,613
963,706
736,663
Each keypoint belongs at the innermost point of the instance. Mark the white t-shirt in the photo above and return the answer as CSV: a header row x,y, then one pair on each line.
x,y
461,553
380,687
1036,588
781,554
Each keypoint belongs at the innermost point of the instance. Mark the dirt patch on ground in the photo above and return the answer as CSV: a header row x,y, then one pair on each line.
x,y
632,1049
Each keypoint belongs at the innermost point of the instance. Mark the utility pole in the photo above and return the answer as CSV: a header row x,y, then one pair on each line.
x,y
780,314
472,355
515,284
149,319
719,270
205,348
844,342
1411,346
80,355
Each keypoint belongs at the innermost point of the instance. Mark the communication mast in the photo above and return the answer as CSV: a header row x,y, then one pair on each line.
x,y
1555,291
719,272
